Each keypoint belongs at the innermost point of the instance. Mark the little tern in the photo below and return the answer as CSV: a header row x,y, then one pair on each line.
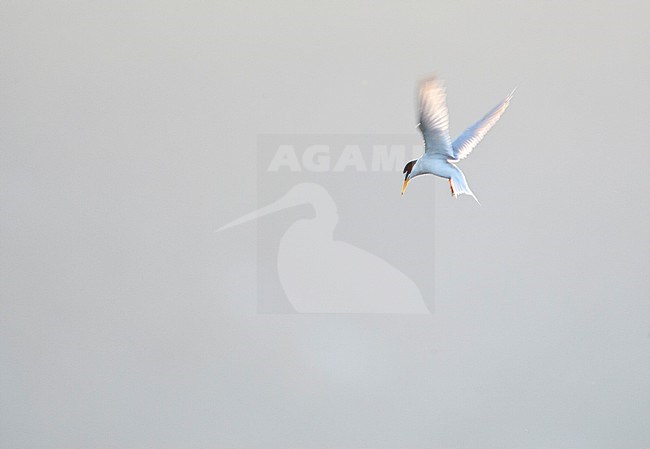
x,y
440,153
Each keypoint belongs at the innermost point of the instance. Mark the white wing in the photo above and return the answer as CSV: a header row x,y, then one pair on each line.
x,y
434,118
465,143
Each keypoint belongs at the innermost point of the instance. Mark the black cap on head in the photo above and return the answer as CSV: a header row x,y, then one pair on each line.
x,y
408,167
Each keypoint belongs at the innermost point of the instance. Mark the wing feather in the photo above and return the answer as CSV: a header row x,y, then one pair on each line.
x,y
468,139
434,117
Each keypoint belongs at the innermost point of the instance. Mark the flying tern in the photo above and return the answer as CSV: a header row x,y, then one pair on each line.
x,y
440,153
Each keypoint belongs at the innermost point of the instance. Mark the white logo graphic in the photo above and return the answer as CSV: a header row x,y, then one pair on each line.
x,y
322,275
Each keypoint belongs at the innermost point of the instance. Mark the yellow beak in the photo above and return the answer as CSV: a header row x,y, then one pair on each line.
x,y
406,181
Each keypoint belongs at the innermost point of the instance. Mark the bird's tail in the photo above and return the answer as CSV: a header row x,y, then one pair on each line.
x,y
459,184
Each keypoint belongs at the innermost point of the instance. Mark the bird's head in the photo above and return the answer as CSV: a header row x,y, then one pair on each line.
x,y
407,174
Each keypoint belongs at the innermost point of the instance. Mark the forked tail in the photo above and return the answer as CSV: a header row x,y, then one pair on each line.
x,y
459,184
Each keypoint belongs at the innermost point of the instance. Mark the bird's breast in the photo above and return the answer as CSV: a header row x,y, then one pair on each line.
x,y
435,166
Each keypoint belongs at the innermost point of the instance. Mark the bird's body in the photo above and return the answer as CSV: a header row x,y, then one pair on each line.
x,y
432,164
441,153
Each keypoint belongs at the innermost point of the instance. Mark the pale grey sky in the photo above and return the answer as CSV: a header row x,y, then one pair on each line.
x,y
128,134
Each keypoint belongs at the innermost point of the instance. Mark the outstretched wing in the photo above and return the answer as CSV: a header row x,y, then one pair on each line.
x,y
465,143
434,118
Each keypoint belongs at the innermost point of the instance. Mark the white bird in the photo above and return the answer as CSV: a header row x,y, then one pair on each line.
x,y
440,153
